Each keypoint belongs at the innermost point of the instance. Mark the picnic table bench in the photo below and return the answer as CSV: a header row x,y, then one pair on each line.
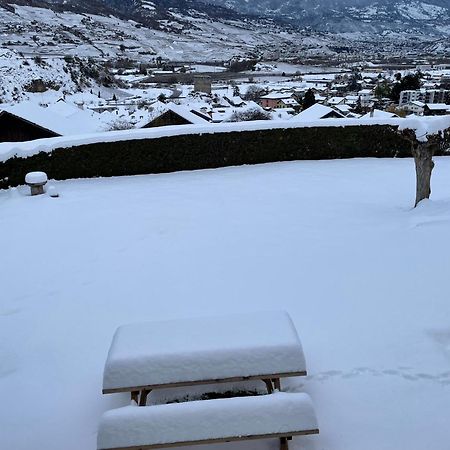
x,y
279,415
259,346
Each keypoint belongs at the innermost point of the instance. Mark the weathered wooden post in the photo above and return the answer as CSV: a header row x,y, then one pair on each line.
x,y
36,181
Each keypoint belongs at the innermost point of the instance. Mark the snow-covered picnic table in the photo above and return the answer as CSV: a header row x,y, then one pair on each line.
x,y
146,356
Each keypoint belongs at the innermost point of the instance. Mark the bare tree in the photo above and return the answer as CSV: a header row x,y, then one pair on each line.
x,y
119,124
423,152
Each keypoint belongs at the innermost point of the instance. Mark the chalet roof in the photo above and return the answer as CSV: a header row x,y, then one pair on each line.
x,y
186,113
62,119
335,100
235,100
316,111
289,101
344,109
438,106
7,113
277,96
379,114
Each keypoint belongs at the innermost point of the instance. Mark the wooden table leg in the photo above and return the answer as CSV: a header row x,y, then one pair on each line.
x,y
284,443
135,396
277,383
268,385
144,395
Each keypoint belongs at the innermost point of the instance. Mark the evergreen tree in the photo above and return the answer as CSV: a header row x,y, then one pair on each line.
x,y
309,99
358,108
383,90
354,82
407,83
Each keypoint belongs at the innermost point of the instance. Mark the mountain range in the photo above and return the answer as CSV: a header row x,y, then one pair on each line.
x,y
424,17
349,16
201,30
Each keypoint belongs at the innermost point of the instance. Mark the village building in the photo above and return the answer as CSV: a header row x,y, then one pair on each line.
x,y
424,95
436,109
379,114
17,129
334,101
275,100
202,83
289,103
177,115
366,96
415,107
343,109
282,113
317,112
234,101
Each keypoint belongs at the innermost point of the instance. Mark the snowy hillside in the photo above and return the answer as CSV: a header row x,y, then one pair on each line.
x,y
22,76
179,32
335,243
38,31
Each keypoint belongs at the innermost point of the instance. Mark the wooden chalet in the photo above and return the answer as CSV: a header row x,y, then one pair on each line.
x,y
17,129
177,115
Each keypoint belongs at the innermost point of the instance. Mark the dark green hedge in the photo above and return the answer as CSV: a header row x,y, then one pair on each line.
x,y
203,151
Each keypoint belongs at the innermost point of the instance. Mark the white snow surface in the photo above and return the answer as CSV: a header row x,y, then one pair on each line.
x,y
335,243
423,126
36,177
206,419
207,348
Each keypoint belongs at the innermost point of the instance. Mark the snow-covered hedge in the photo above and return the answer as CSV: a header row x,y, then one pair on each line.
x,y
190,147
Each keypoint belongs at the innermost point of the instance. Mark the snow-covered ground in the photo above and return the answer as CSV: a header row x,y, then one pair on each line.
x,y
336,243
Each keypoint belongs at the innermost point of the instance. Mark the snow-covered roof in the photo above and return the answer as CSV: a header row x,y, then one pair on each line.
x,y
276,96
289,101
75,122
282,113
335,100
379,114
343,108
222,114
185,112
314,112
235,100
438,106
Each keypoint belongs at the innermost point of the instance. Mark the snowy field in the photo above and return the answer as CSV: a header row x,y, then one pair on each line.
x,y
336,243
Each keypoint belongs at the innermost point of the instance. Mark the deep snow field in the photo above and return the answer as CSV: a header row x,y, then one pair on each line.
x,y
365,278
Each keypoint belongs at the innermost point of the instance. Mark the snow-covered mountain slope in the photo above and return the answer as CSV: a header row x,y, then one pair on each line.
x,y
343,16
41,31
188,30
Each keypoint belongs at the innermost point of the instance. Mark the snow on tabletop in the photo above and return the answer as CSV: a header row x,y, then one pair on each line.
x,y
36,178
206,348
206,419
423,126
